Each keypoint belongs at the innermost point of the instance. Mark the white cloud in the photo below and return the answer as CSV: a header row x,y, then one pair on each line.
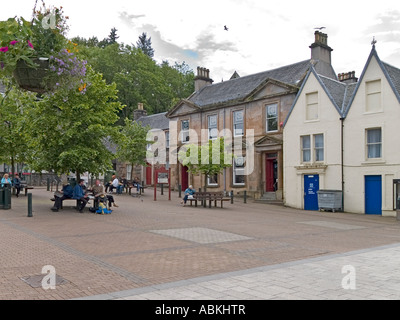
x,y
261,36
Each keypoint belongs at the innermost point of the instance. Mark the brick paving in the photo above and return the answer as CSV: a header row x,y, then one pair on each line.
x,y
150,249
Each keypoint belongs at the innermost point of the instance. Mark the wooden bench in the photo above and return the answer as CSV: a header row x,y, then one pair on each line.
x,y
27,188
130,187
62,203
210,197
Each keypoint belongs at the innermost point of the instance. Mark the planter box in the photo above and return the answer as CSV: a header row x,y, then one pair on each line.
x,y
32,79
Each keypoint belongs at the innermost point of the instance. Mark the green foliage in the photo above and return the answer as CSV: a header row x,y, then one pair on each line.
x,y
14,133
69,129
208,159
132,145
138,77
144,44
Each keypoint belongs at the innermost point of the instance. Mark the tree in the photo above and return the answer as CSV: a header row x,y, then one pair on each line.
x,y
132,145
14,135
112,38
69,128
208,159
144,44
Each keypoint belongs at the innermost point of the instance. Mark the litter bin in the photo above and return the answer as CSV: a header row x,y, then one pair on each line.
x,y
5,197
330,200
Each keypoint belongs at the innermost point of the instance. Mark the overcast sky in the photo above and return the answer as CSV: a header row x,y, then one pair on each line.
x,y
261,34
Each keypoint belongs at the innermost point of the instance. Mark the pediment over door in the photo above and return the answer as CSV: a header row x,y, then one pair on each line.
x,y
269,143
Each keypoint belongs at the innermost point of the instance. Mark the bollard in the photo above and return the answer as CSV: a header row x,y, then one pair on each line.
x,y
162,189
30,205
179,190
7,197
245,196
48,184
231,196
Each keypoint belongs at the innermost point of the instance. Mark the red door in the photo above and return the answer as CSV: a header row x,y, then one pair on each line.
x,y
271,167
184,178
148,175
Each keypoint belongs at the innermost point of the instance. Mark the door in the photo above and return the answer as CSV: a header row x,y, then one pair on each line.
x,y
373,195
271,175
184,178
311,186
148,174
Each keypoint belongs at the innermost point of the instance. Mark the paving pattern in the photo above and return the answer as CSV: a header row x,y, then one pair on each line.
x,y
155,250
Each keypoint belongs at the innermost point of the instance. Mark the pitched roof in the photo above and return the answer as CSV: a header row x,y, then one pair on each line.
x,y
155,121
238,89
391,73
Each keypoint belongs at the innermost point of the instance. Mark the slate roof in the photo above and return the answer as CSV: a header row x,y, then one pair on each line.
x,y
238,89
155,121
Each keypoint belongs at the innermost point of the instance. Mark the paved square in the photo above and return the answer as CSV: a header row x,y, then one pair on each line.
x,y
202,235
334,225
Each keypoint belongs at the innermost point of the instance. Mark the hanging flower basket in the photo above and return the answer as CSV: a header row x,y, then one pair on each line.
x,y
33,79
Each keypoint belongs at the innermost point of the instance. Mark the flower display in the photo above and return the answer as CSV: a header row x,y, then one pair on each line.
x,y
38,55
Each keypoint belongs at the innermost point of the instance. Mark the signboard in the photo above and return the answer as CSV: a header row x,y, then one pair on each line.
x,y
162,177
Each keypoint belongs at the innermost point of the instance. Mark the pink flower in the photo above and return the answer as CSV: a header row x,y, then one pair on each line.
x,y
13,42
3,49
30,44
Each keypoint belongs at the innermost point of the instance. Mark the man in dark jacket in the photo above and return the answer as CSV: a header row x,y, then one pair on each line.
x,y
65,193
80,195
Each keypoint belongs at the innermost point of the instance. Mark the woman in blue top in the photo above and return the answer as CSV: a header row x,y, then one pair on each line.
x,y
5,180
188,192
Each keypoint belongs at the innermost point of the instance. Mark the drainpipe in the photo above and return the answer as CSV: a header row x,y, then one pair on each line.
x,y
224,172
341,160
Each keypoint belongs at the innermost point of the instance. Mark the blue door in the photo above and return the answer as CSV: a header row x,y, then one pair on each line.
x,y
373,195
311,186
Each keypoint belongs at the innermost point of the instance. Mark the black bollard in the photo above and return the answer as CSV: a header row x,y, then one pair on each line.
x,y
162,189
48,184
245,196
179,191
231,196
30,205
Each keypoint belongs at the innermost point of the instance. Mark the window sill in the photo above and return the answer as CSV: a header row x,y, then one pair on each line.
x,y
373,162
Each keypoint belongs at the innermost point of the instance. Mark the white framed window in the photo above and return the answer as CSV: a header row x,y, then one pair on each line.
x,y
319,147
212,127
185,131
238,171
238,123
306,148
312,106
272,117
212,180
374,143
373,96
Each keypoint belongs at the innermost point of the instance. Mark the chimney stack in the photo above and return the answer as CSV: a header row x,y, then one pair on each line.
x,y
320,49
202,79
348,77
139,112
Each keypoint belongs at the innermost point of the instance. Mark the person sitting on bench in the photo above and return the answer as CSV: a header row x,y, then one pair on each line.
x,y
189,192
60,196
98,191
80,195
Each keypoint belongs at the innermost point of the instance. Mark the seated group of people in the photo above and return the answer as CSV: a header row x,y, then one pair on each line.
x,y
16,182
80,193
120,184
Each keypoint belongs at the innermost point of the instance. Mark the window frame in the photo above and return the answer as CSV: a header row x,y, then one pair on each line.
x,y
210,137
309,104
234,123
371,144
267,117
369,93
319,148
234,174
185,131
302,148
